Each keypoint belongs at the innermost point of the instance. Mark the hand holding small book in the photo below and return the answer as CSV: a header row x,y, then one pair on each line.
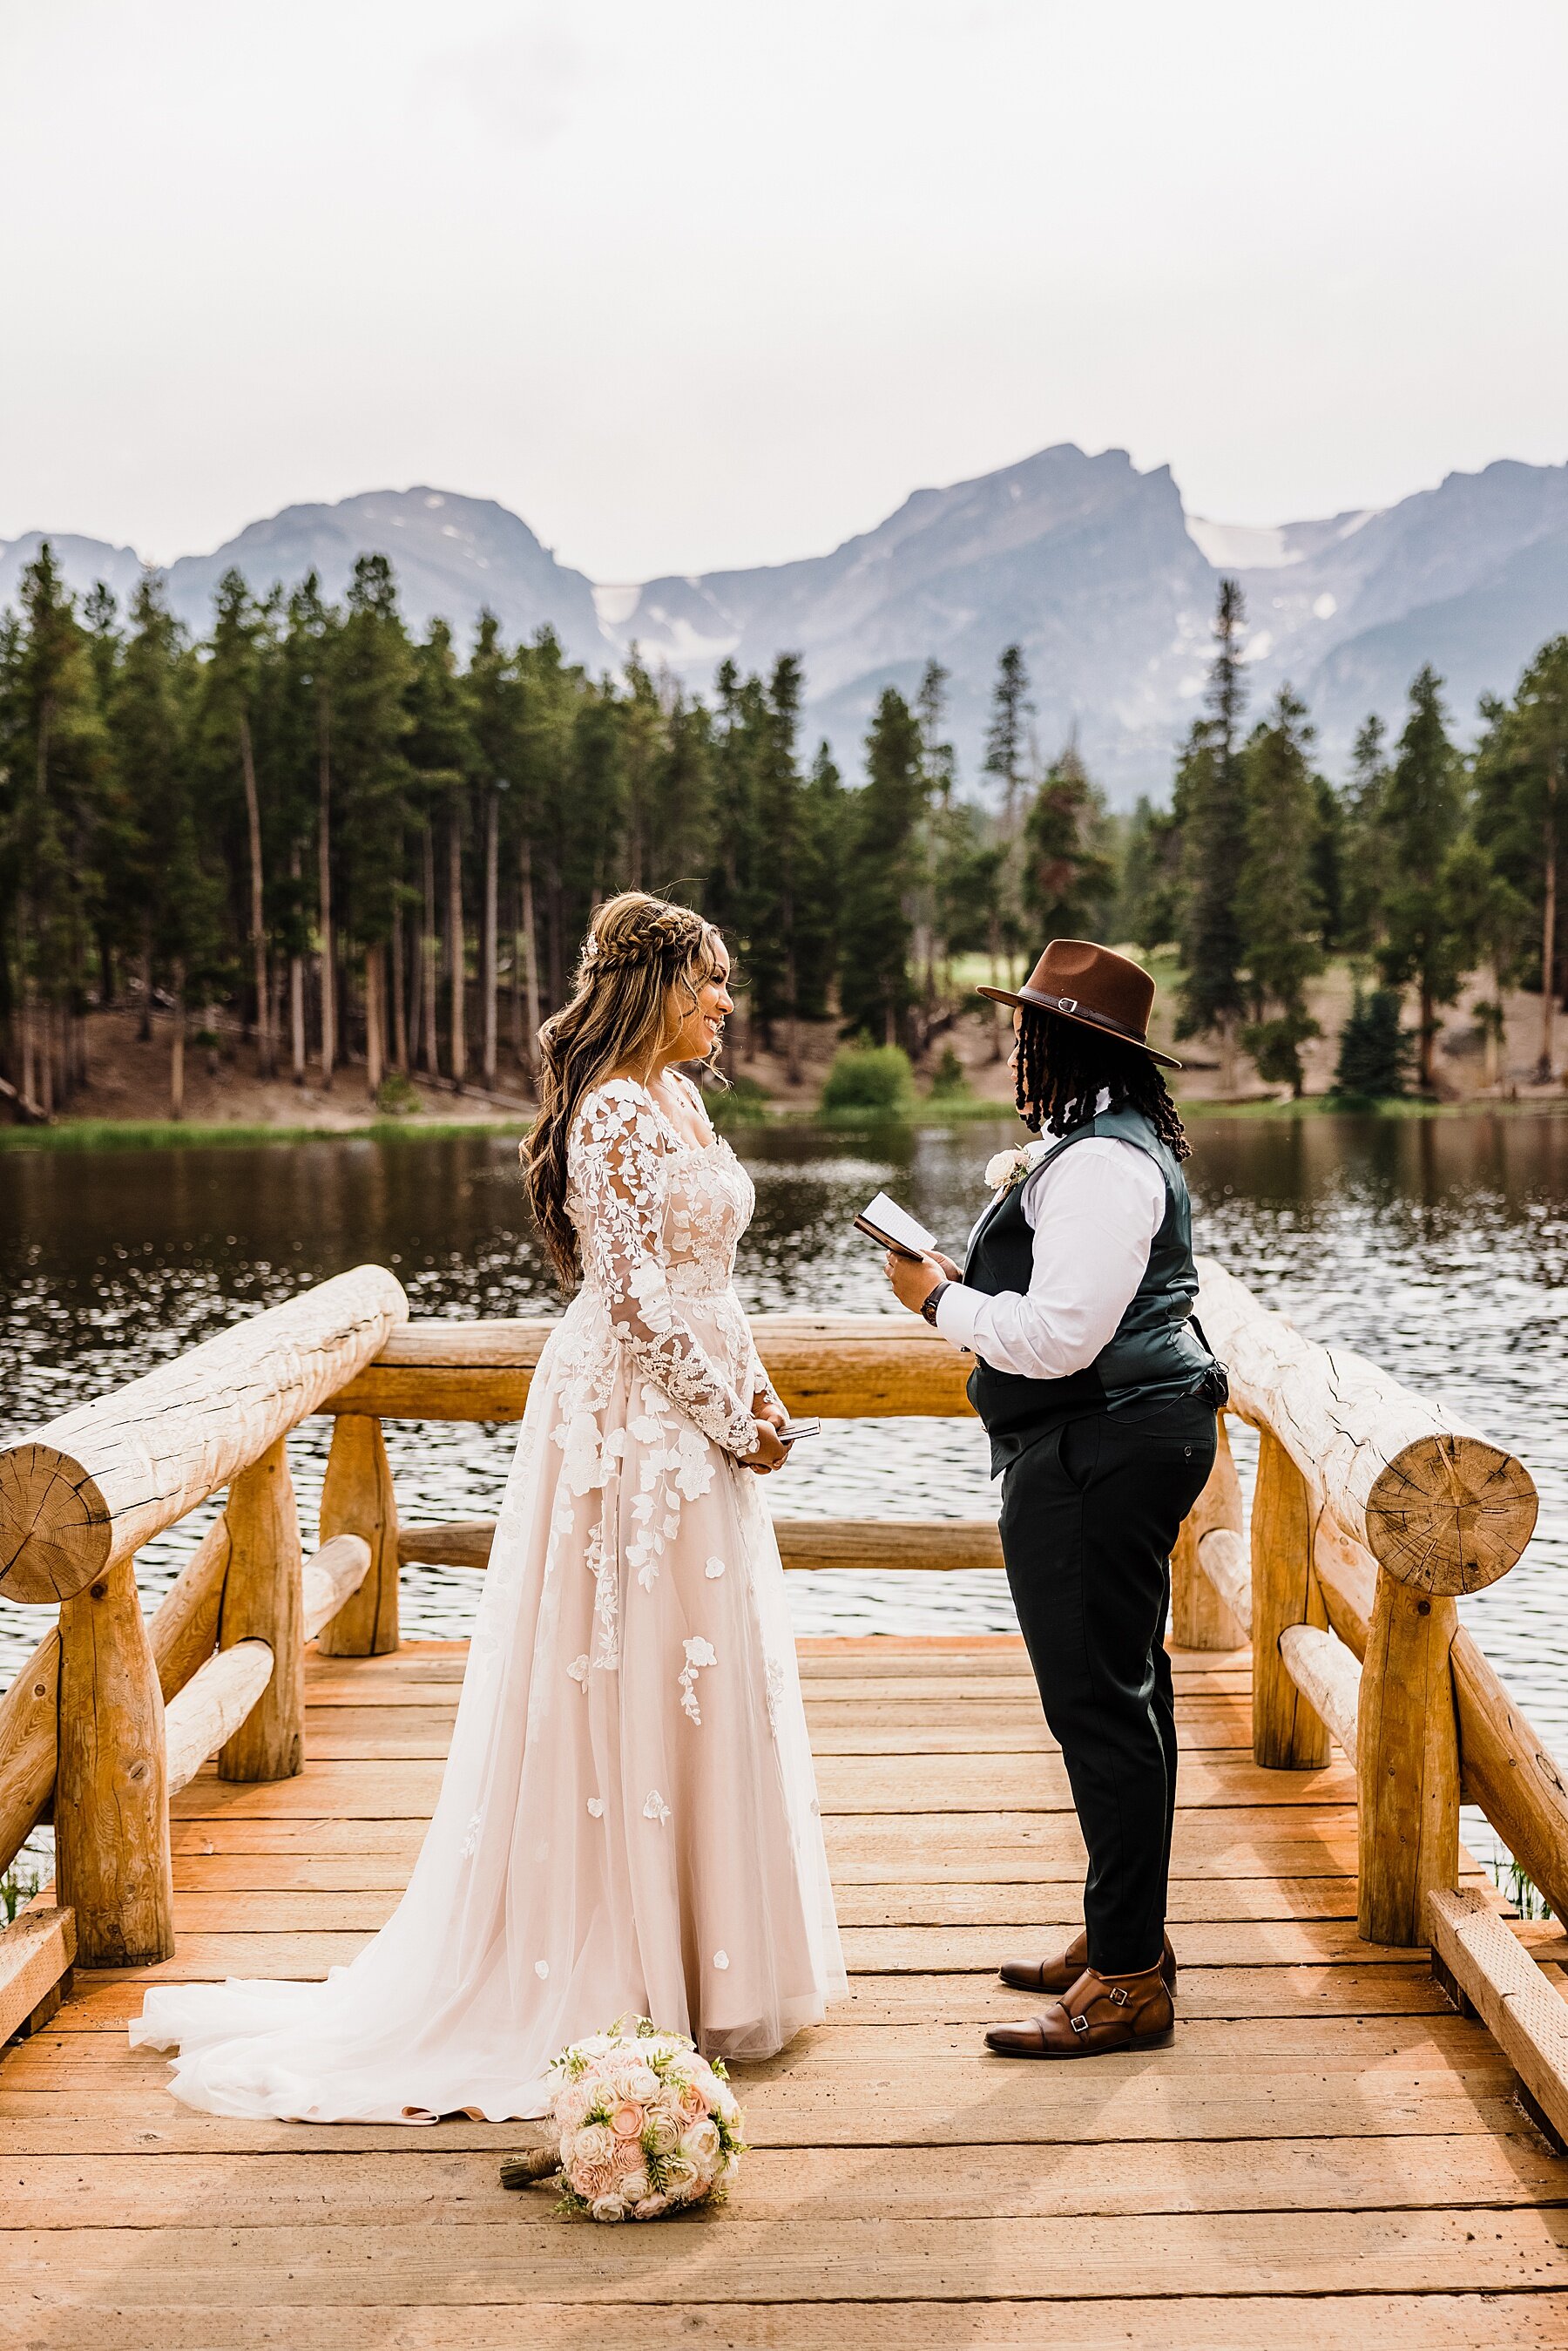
x,y
915,1263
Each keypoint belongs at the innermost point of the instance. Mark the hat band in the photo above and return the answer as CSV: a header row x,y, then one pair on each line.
x,y
1077,1011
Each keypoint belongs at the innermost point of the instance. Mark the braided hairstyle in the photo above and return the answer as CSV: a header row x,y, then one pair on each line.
x,y
1064,1066
638,978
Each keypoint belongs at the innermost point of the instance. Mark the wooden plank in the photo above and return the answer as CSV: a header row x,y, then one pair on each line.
x,y
1334,2322
36,1950
1526,2016
824,2257
985,1785
310,2188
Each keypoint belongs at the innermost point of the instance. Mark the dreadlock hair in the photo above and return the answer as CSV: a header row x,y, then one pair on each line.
x,y
638,976
1063,1067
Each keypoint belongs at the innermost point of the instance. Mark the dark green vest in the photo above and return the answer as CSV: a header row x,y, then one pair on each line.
x,y
1156,1350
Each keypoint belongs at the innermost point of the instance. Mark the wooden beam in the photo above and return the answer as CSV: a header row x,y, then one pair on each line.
x,y
1525,2015
263,1602
330,1575
29,1736
184,1629
1440,1506
1286,1733
1327,1674
89,1488
840,1366
211,1708
37,1950
1227,1569
111,1799
1408,1764
358,1499
939,1545
1200,1615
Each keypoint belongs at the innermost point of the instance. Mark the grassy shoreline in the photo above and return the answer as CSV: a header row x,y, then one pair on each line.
x,y
165,1135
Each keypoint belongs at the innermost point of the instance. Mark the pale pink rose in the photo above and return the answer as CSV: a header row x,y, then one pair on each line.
x,y
649,2208
590,2180
627,2119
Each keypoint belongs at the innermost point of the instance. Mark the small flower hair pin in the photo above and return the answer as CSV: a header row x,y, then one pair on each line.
x,y
591,947
1003,1169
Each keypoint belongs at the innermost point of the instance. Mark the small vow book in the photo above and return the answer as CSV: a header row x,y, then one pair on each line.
x,y
803,1427
883,1221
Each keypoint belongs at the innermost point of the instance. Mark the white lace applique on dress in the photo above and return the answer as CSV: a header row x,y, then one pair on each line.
x,y
632,1707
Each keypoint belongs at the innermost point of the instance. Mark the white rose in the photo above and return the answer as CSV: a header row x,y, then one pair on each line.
x,y
606,2208
679,2178
649,2208
666,2130
700,2144
640,2082
634,2186
592,2145
1003,1164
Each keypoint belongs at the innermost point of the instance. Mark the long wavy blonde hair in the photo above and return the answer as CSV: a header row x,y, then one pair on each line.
x,y
638,978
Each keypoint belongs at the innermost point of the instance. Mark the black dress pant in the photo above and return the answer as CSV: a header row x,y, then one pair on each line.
x,y
1089,1514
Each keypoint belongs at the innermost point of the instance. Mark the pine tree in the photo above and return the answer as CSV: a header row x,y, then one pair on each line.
x,y
1423,809
882,874
1374,1050
1069,879
1279,909
1365,842
373,679
1149,908
441,759
230,679
819,887
1522,816
1212,809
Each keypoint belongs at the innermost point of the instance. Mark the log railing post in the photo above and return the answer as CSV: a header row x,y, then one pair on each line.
x,y
1286,1733
111,1797
262,1601
1199,1617
1407,1763
356,1499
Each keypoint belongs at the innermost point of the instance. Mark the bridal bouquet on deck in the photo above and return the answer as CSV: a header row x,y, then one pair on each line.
x,y
646,2125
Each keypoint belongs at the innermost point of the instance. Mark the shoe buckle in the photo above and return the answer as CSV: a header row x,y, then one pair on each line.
x,y
1117,1995
1079,2023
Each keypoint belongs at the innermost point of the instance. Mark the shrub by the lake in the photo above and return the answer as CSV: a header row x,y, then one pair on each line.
x,y
950,1081
871,1079
1375,1051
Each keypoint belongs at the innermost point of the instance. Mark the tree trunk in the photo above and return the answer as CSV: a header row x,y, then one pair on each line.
x,y
1226,1033
1549,935
177,1047
555,897
428,955
400,1000
264,1055
1428,1032
323,886
295,984
455,949
992,948
145,1026
1491,1064
489,958
374,1048
530,1055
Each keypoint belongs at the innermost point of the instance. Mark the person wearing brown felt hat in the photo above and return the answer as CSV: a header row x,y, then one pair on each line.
x,y
1098,1393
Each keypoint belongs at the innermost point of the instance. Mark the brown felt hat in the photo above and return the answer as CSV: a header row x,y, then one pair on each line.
x,y
1098,989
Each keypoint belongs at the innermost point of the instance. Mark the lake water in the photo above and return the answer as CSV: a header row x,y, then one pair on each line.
x,y
1438,1247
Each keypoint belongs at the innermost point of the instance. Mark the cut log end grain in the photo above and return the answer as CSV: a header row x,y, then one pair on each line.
x,y
54,1531
1450,1514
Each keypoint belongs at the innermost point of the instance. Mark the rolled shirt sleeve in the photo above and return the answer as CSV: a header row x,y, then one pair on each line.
x,y
1094,1213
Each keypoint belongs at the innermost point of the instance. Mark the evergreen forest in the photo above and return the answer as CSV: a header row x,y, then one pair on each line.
x,y
351,845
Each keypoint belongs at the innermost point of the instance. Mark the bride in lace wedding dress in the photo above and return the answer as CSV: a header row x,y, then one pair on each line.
x,y
629,1820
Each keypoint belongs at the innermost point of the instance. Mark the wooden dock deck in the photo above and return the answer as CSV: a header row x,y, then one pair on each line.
x,y
1328,2156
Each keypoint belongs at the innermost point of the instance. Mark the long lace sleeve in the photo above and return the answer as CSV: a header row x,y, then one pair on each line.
x,y
622,1173
760,1384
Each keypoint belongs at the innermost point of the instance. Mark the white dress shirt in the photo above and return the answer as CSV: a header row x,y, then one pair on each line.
x,y
1094,1213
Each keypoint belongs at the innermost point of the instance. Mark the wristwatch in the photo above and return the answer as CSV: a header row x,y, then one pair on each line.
x,y
929,1310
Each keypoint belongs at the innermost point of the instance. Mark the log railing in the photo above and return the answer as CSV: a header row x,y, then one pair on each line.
x,y
1371,1511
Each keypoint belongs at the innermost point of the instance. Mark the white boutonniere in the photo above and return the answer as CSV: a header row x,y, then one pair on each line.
x,y
1004,1169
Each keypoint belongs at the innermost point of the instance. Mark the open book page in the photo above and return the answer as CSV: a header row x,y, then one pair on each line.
x,y
883,1220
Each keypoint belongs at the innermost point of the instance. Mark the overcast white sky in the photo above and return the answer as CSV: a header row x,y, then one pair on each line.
x,y
692,283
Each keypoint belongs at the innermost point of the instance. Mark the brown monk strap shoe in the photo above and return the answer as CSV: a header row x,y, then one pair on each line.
x,y
1095,2015
1060,1975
